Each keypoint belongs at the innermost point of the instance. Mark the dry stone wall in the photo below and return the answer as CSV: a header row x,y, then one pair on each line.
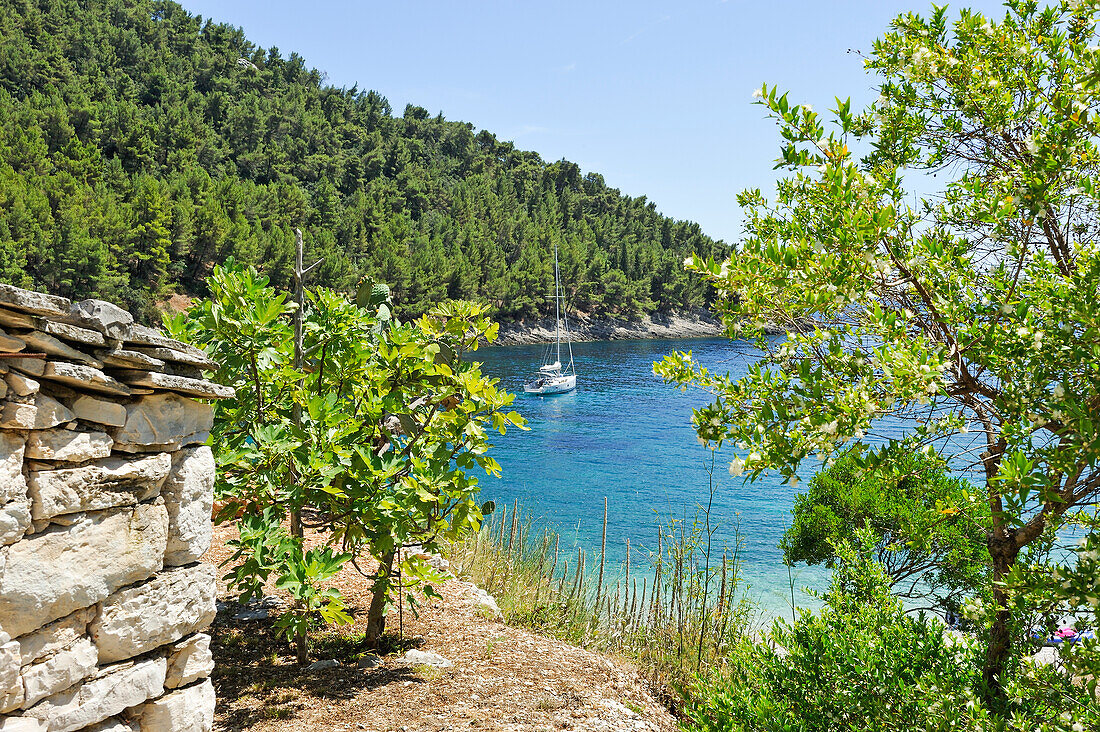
x,y
106,490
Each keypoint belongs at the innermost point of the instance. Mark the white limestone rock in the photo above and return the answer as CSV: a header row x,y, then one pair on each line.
x,y
55,636
189,497
189,661
84,377
183,384
146,337
128,359
13,486
100,411
33,302
22,724
17,416
21,385
45,412
184,710
191,357
87,562
107,318
114,689
15,521
68,445
59,671
106,483
47,344
114,724
72,333
164,422
174,603
11,685
415,657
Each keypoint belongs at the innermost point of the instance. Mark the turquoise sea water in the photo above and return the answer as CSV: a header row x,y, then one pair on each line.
x,y
626,435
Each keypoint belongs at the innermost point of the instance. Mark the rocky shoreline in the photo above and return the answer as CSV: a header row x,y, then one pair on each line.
x,y
694,324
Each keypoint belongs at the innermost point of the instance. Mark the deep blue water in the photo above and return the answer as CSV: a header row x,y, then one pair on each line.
x,y
626,435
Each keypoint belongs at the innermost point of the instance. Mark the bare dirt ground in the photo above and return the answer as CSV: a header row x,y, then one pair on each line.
x,y
502,678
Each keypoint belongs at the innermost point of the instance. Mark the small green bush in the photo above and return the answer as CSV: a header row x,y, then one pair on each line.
x,y
863,664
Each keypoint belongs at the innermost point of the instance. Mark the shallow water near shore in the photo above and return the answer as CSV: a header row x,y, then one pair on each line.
x,y
625,435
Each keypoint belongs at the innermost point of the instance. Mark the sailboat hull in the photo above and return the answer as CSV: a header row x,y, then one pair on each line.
x,y
552,385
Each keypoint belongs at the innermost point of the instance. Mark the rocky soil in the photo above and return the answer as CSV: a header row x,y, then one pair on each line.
x,y
452,666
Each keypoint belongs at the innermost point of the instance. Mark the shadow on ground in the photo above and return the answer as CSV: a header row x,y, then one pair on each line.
x,y
256,675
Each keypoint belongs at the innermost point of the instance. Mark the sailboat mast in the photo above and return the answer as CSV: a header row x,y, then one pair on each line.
x,y
557,313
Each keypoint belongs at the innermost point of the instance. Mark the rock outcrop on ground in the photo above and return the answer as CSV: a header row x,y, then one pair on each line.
x,y
106,490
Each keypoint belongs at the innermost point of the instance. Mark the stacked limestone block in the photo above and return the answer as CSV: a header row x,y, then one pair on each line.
x,y
105,500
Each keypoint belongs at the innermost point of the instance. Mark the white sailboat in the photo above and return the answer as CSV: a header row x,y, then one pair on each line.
x,y
554,378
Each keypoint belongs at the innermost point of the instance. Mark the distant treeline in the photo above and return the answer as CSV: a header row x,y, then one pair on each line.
x,y
140,145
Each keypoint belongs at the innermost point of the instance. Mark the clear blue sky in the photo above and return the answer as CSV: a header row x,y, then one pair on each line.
x,y
656,96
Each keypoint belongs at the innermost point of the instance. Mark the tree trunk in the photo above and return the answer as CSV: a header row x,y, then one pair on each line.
x,y
376,614
301,647
1003,551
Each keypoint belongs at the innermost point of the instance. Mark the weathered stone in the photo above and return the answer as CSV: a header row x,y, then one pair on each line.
x,y
184,710
16,416
59,671
47,344
15,521
32,366
84,377
189,497
113,690
72,333
114,724
107,483
145,336
20,384
3,389
68,445
416,657
127,359
189,660
13,486
11,686
184,370
44,413
183,384
55,636
172,604
13,319
50,412
164,422
11,344
191,357
105,317
99,411
33,302
87,562
22,724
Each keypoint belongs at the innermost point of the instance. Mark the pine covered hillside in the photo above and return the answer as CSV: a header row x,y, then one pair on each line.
x,y
140,145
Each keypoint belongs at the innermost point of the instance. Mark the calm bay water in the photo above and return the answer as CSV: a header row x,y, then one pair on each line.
x,y
626,435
